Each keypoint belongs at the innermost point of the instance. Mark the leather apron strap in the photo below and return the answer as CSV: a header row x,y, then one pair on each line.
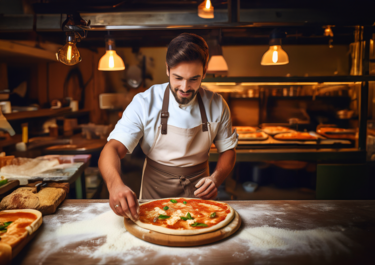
x,y
165,113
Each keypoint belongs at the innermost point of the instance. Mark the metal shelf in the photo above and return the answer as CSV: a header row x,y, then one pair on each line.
x,y
324,155
291,79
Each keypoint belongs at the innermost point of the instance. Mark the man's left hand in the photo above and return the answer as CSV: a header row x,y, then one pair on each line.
x,y
207,189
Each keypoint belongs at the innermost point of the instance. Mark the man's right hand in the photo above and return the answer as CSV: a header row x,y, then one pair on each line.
x,y
123,201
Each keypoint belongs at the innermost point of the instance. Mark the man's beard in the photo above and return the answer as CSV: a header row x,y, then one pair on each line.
x,y
183,101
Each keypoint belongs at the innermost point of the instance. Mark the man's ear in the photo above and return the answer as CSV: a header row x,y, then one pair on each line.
x,y
167,68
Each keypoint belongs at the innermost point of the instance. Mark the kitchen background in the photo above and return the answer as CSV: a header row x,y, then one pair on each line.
x,y
32,79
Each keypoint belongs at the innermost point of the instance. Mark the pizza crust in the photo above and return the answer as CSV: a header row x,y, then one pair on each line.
x,y
168,231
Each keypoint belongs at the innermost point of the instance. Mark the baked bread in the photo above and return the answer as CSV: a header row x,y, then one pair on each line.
x,y
46,200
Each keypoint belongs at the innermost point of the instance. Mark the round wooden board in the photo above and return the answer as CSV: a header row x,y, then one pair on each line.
x,y
183,241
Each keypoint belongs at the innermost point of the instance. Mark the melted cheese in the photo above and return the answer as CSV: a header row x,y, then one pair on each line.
x,y
175,217
190,222
156,212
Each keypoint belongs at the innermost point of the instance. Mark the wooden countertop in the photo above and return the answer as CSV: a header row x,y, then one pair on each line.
x,y
273,232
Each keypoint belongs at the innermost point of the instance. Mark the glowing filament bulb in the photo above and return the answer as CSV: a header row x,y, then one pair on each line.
x,y
69,53
275,55
111,61
208,4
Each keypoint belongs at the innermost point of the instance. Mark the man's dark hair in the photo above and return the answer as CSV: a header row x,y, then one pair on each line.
x,y
187,47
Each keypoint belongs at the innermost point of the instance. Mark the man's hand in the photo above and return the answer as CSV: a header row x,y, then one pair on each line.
x,y
123,201
207,188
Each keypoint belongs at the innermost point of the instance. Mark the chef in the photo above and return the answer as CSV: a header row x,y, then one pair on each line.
x,y
175,123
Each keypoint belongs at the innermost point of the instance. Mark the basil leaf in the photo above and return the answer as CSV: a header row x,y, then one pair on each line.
x,y
198,224
184,218
189,216
213,215
173,200
164,216
7,223
165,208
185,202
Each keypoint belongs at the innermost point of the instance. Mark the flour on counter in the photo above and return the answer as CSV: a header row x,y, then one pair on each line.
x,y
104,238
308,241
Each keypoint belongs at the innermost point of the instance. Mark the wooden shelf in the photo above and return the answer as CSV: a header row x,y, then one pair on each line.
x,y
38,114
10,50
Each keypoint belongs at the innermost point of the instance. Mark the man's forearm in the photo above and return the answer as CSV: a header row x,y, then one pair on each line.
x,y
224,166
110,166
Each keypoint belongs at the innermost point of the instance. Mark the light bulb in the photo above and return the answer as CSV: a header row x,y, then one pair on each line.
x,y
206,10
275,56
69,54
208,4
111,61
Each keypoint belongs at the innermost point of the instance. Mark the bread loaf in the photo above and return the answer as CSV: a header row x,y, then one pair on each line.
x,y
46,200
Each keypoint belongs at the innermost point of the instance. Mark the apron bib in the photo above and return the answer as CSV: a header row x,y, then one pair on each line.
x,y
178,158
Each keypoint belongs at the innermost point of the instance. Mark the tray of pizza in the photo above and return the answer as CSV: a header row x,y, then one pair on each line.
x,y
273,130
253,136
17,228
245,129
297,136
184,222
338,133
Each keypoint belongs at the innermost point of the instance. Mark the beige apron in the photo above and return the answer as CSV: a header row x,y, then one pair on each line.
x,y
178,158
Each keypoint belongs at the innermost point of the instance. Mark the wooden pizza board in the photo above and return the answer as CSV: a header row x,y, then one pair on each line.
x,y
183,241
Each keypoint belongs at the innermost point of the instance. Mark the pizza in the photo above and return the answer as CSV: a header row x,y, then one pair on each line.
x,y
15,226
337,133
252,136
335,130
184,216
272,130
241,129
298,136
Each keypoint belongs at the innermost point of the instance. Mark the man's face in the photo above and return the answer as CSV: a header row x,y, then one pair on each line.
x,y
185,80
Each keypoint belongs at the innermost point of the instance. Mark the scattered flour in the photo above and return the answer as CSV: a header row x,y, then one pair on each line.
x,y
263,239
109,239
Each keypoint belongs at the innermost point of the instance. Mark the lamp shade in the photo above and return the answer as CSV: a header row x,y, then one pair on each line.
x,y
217,64
275,56
110,61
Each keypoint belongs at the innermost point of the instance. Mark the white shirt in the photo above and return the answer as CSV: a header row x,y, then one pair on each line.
x,y
141,119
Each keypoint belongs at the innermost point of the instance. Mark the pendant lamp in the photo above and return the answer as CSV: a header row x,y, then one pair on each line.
x,y
110,61
275,54
69,53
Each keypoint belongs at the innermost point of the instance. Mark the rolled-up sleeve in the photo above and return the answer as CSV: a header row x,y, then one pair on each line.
x,y
129,129
225,139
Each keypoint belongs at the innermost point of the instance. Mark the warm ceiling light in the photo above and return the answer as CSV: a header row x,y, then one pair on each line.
x,y
328,31
275,54
206,10
217,64
69,54
110,61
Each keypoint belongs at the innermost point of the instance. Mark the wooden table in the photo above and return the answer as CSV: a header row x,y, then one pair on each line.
x,y
273,232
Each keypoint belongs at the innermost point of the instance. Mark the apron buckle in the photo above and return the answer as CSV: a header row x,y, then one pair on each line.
x,y
164,114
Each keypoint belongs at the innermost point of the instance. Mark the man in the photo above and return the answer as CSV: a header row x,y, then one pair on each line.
x,y
176,123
